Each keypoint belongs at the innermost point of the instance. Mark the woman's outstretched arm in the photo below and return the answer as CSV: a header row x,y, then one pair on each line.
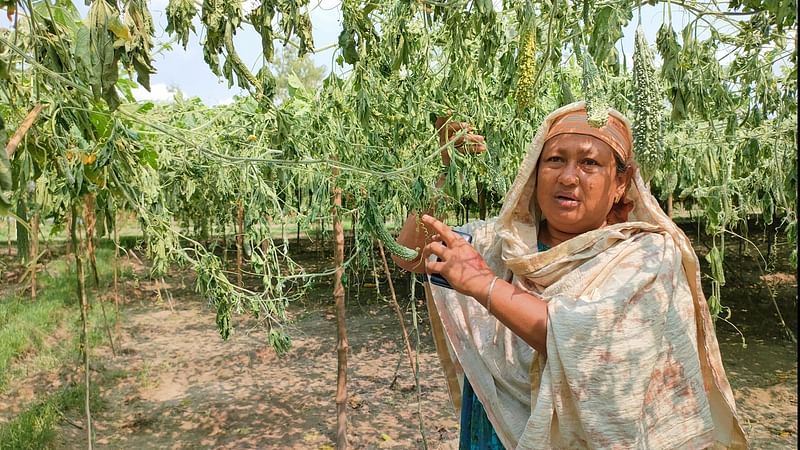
x,y
467,272
415,234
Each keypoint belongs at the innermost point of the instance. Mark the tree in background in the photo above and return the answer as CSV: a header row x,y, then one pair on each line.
x,y
287,62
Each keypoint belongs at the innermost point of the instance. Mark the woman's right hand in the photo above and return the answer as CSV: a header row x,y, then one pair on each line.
x,y
415,234
468,143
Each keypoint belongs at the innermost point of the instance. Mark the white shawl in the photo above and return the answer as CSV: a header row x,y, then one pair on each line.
x,y
626,314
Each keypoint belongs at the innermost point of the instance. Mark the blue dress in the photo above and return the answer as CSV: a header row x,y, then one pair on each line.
x,y
477,433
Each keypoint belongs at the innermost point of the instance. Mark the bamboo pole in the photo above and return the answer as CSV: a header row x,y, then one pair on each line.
x,y
84,322
342,345
90,221
26,124
411,359
224,243
116,273
90,218
239,241
116,263
68,220
34,252
297,215
397,310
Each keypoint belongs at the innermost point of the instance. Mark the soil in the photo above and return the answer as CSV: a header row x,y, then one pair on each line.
x,y
175,383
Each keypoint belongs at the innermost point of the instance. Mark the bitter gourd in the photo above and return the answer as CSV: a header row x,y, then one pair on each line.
x,y
526,70
596,100
647,107
375,225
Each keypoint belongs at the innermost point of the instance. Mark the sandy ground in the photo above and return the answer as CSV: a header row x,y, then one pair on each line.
x,y
176,385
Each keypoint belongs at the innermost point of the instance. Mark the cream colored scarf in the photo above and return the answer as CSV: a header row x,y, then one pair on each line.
x,y
632,360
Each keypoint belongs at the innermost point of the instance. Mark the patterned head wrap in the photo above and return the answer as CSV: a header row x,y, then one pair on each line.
x,y
615,132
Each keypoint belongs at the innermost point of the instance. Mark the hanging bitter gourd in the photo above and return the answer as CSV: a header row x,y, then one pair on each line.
x,y
526,70
593,91
374,223
564,91
647,108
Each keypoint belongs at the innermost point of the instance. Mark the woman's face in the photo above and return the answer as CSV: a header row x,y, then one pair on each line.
x,y
577,182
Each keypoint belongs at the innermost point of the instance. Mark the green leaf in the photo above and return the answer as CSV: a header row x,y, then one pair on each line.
x,y
102,124
347,43
295,85
149,157
146,106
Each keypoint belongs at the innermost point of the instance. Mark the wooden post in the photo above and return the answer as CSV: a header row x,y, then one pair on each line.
x,y
116,264
397,310
224,243
90,218
342,345
23,235
34,252
239,241
299,202
84,321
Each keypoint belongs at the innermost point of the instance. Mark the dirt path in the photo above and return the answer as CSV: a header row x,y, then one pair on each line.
x,y
176,384
764,381
186,388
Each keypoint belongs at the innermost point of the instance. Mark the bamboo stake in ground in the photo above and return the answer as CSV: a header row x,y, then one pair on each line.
x,y
224,242
68,221
414,367
169,295
239,241
8,234
341,326
34,252
90,219
84,322
91,224
116,265
397,310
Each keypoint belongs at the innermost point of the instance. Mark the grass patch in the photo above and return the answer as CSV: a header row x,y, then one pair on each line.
x,y
25,324
35,427
24,329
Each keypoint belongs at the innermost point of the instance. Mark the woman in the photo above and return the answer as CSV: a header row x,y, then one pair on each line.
x,y
576,317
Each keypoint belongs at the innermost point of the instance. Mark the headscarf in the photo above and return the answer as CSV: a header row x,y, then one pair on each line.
x,y
538,401
615,132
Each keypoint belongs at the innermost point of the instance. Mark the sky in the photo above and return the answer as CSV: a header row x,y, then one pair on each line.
x,y
186,70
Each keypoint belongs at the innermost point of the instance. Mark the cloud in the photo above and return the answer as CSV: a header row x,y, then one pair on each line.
x,y
159,92
225,101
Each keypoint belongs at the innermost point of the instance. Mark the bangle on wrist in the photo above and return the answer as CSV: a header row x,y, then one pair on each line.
x,y
489,294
